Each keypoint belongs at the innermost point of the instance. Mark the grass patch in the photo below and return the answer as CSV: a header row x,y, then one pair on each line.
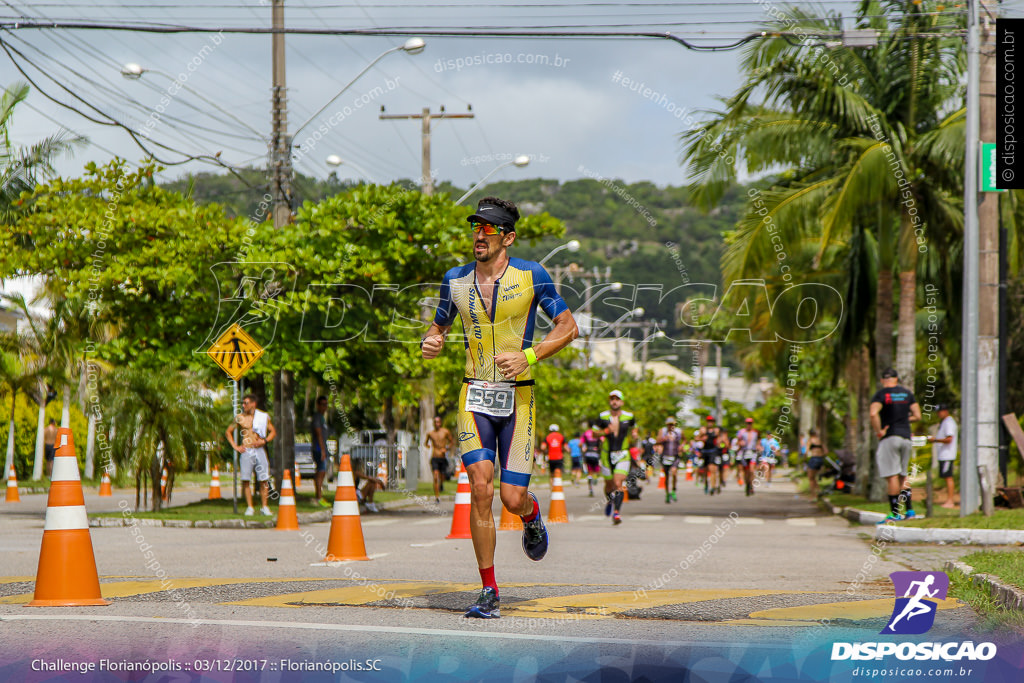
x,y
993,615
942,518
1008,566
214,509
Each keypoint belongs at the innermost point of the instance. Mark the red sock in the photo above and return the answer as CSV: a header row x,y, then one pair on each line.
x,y
487,577
533,515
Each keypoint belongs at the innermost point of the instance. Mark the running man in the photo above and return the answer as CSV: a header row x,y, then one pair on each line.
x,y
746,454
712,454
591,444
497,298
576,453
319,433
616,424
671,440
257,432
555,441
893,408
439,440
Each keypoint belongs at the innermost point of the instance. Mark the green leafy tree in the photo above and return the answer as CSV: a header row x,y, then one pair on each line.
x,y
151,412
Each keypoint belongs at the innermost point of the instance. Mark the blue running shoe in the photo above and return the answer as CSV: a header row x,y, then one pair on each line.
x,y
910,514
891,518
486,606
535,537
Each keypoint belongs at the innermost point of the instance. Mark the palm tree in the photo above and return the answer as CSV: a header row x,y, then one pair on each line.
x,y
20,167
866,140
153,412
18,370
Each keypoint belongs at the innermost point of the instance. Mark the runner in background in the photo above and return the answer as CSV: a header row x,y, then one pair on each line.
x,y
576,453
591,443
554,443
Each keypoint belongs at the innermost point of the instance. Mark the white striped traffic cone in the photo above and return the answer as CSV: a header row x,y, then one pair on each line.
x,y
557,514
214,485
67,566
287,519
460,518
12,487
346,539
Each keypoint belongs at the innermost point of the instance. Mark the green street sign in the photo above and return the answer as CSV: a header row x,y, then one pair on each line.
x,y
988,168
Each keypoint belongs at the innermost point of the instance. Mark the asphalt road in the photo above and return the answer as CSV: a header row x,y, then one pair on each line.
x,y
709,586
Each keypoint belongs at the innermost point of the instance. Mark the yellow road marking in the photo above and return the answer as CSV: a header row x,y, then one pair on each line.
x,y
123,589
357,595
603,605
854,611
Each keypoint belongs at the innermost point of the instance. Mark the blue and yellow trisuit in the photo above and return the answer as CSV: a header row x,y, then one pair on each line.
x,y
521,288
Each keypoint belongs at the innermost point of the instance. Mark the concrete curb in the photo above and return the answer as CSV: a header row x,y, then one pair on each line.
x,y
893,533
245,523
1006,595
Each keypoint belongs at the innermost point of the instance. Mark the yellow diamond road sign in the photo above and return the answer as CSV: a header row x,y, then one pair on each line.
x,y
235,352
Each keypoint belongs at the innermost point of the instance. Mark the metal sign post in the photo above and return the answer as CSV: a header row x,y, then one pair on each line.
x,y
235,352
234,453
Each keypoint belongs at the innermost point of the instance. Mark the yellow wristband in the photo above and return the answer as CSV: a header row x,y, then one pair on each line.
x,y
531,356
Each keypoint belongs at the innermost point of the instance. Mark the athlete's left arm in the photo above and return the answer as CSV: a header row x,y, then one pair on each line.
x,y
915,412
513,363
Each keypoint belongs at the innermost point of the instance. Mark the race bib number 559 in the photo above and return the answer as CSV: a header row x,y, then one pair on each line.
x,y
490,398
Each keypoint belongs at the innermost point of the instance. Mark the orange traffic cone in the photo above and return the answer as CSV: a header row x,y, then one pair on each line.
x,y
12,487
661,480
509,521
460,518
689,470
287,518
163,485
298,478
105,485
557,514
382,472
214,485
346,539
67,566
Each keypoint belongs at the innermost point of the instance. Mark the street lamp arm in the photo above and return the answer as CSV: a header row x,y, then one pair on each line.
x,y
482,181
349,85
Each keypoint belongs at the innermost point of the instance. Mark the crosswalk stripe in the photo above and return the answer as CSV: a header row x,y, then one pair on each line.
x,y
801,521
749,520
697,519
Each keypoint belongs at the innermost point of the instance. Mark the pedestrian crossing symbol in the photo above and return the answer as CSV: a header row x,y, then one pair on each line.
x,y
235,352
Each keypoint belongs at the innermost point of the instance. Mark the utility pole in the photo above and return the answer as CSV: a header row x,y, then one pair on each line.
x,y
988,273
427,178
427,406
280,182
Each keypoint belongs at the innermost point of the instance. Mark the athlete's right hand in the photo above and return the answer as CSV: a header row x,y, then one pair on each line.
x,y
432,345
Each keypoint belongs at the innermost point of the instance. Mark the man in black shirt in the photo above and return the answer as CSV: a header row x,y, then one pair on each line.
x,y
893,408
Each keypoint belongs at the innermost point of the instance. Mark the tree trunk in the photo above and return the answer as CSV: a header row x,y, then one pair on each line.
x,y
90,447
37,464
65,409
906,348
154,473
9,460
883,319
286,430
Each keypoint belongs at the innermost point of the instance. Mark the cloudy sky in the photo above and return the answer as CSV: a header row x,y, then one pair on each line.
x,y
555,99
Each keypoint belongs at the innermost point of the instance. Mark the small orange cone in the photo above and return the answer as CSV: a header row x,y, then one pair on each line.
x,y
382,472
298,478
287,518
12,487
67,566
214,485
105,485
163,485
346,539
509,521
557,514
661,480
689,470
460,518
